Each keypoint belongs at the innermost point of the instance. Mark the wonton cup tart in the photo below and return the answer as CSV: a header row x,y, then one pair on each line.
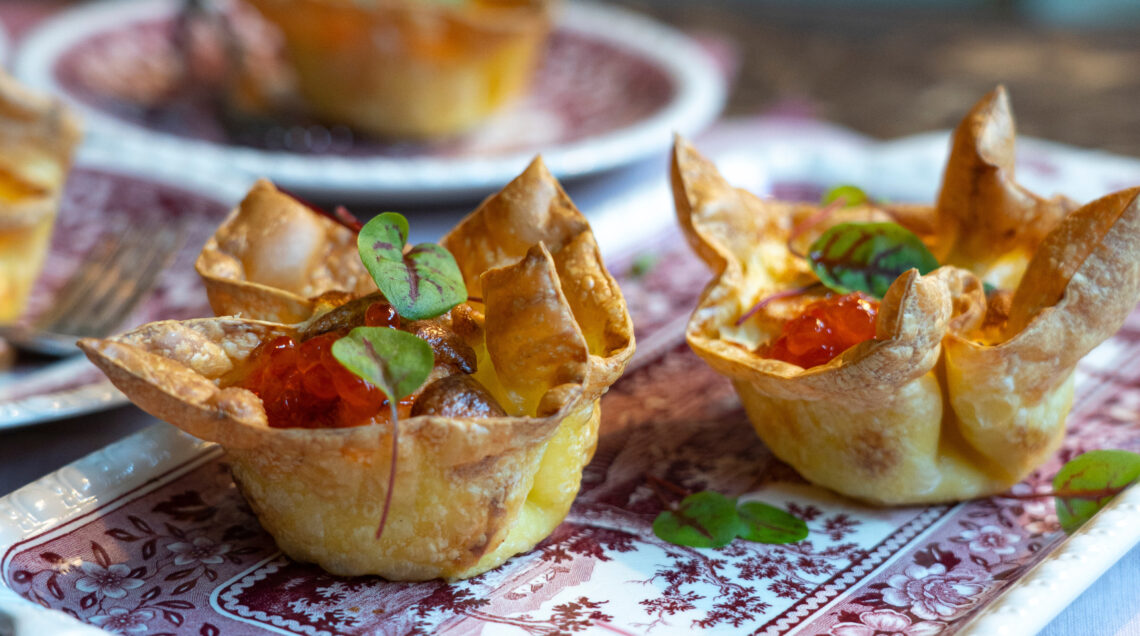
x,y
958,395
37,139
410,68
550,331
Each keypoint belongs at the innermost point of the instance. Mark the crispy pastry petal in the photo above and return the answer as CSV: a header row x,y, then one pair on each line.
x,y
935,408
983,215
533,209
273,256
469,492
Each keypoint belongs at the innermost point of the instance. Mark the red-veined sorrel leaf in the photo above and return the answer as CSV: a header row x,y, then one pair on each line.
x,y
1089,481
702,520
867,257
847,195
423,283
763,523
397,363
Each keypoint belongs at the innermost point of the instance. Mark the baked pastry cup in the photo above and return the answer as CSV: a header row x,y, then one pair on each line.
x,y
410,68
550,332
37,139
958,395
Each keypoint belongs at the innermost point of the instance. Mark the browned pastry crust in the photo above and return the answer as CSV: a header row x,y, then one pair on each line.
x,y
37,139
957,396
408,68
550,334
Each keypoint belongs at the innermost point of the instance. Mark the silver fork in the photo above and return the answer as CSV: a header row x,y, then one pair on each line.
x,y
114,277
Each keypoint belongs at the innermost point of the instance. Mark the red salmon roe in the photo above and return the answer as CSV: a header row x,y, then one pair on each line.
x,y
826,329
303,386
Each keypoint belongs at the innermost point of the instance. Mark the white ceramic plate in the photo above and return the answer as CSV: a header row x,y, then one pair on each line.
x,y
613,88
104,190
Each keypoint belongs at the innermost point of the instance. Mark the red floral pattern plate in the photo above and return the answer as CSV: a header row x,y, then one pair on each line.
x,y
105,192
150,536
613,88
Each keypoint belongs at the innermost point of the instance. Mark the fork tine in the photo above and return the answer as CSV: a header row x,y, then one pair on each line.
x,y
115,286
110,283
99,282
150,264
81,280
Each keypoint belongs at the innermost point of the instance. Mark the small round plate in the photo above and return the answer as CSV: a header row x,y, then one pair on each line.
x,y
98,196
613,88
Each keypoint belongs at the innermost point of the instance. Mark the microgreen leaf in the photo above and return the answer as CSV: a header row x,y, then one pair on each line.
x,y
1088,482
397,363
709,519
423,283
702,520
867,257
643,264
848,196
763,523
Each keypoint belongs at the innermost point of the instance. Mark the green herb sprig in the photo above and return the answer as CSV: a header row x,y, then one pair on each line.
x,y
422,283
849,257
846,195
709,519
867,257
1088,482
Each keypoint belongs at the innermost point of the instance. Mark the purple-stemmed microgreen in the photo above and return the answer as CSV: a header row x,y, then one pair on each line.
x,y
340,214
348,219
859,256
763,302
397,363
764,523
709,519
867,257
1088,482
841,196
815,219
846,195
422,283
702,520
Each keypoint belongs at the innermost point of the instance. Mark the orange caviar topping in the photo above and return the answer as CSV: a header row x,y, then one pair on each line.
x,y
303,385
826,329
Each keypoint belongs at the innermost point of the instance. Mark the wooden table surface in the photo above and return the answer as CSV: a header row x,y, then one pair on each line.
x,y
894,69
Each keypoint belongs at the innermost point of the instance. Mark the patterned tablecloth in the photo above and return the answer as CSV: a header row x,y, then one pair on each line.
x,y
183,553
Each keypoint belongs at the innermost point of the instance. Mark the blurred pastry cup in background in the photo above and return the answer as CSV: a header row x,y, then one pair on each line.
x,y
37,139
414,69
